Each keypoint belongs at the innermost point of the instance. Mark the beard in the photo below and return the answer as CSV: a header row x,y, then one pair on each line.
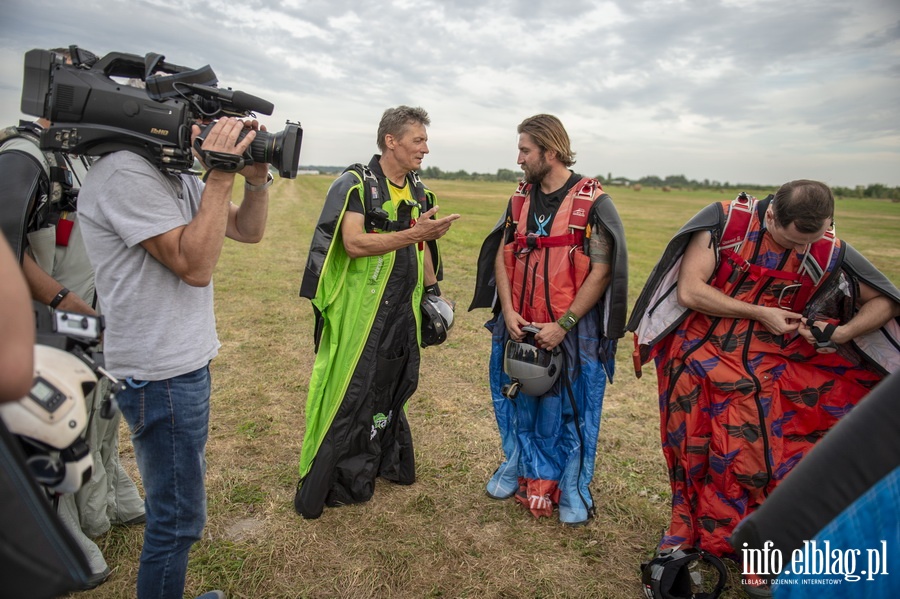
x,y
536,175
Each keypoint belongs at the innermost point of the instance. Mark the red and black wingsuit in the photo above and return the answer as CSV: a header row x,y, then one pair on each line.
x,y
739,406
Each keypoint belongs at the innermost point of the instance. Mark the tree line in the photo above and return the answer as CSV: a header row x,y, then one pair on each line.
x,y
873,191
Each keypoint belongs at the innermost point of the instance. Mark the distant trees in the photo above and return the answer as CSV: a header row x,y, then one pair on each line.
x,y
875,191
870,191
503,174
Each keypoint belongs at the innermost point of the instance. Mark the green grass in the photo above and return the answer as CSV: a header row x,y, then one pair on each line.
x,y
441,537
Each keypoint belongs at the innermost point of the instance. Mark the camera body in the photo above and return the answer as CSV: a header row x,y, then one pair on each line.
x,y
92,113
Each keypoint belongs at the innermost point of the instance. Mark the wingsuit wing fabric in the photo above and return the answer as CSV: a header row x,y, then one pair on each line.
x,y
550,442
367,363
18,195
739,406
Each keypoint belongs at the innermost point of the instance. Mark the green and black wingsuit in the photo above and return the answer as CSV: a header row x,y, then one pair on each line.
x,y
367,344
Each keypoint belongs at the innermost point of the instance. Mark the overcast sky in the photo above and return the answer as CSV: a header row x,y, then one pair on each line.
x,y
743,91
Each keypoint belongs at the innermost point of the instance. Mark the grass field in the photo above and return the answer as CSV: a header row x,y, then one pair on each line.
x,y
441,537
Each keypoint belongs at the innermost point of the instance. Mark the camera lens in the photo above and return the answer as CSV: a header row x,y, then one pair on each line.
x,y
281,150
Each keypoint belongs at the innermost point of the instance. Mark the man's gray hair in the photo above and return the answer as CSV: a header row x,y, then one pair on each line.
x,y
395,120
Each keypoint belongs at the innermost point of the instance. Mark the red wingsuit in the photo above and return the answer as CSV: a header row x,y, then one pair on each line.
x,y
739,406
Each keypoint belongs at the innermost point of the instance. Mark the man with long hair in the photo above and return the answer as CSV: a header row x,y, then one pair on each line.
x,y
557,263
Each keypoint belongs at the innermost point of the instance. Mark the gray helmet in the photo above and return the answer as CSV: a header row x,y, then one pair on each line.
x,y
437,319
531,369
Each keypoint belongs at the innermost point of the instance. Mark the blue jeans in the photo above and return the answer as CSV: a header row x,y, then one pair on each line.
x,y
169,422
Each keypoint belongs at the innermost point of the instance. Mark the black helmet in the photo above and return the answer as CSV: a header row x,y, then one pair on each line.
x,y
667,576
531,369
437,319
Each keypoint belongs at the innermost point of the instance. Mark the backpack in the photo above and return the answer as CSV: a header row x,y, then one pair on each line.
x,y
36,190
59,176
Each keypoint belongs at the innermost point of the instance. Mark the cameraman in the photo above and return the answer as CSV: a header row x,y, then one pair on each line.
x,y
154,239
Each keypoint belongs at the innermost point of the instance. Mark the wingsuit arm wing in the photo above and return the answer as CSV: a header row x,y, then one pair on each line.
x,y
615,297
327,230
710,218
485,284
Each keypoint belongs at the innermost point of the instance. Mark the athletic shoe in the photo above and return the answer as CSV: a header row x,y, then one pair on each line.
x,y
97,578
139,519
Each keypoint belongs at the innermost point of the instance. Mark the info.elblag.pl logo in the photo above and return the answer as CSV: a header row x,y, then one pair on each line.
x,y
817,562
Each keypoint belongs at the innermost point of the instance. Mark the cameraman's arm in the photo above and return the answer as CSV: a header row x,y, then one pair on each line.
x,y
44,289
17,324
192,251
247,222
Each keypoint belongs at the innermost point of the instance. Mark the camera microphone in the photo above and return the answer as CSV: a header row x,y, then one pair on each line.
x,y
240,101
245,101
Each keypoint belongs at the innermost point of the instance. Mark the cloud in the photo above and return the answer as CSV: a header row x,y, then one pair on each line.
x,y
757,91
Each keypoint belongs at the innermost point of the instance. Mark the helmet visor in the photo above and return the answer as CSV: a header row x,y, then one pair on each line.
x,y
525,353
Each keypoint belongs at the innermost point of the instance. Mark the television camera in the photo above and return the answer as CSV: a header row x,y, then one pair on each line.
x,y
92,113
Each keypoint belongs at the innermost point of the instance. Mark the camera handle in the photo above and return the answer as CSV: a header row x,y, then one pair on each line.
x,y
220,161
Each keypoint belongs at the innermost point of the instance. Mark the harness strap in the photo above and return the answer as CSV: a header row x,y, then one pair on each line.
x,y
418,187
533,241
518,200
807,286
738,223
758,272
371,182
818,256
734,232
581,204
804,288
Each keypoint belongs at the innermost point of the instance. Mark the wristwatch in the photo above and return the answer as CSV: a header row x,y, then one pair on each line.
x,y
567,321
263,187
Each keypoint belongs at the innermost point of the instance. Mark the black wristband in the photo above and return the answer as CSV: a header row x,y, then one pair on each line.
x,y
59,297
433,289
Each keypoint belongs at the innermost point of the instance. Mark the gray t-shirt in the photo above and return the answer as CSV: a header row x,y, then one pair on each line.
x,y
157,326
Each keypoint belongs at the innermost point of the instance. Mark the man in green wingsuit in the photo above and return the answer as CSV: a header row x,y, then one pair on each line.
x,y
373,254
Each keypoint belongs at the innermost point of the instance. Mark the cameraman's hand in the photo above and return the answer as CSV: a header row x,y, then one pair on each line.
x,y
223,138
258,172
